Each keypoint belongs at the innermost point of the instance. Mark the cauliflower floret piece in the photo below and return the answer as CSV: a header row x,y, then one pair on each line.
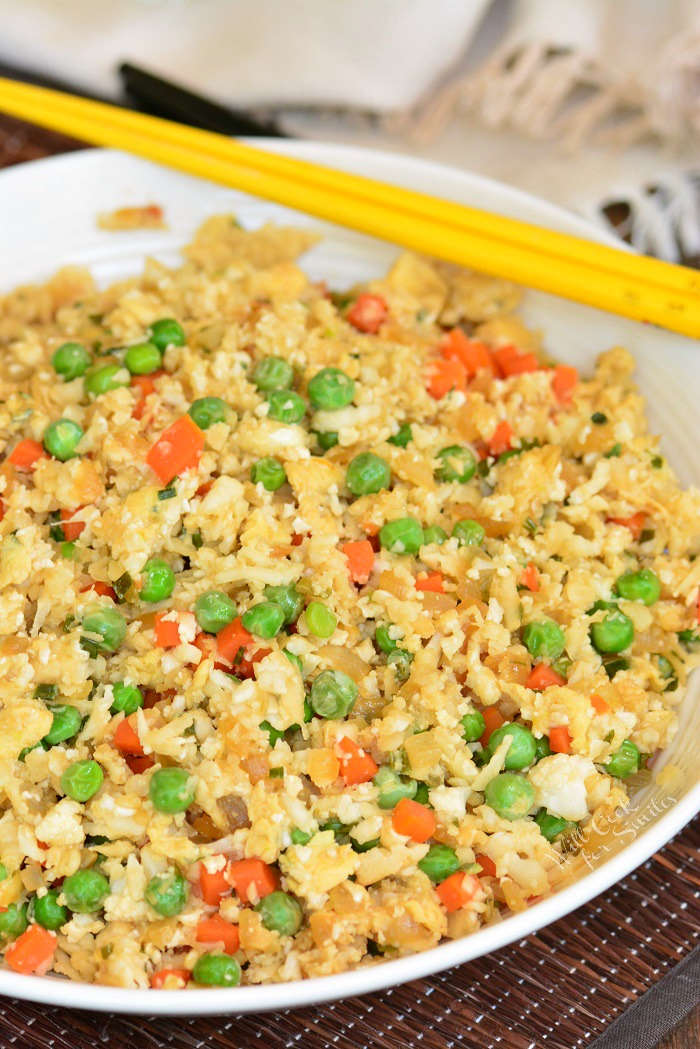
x,y
560,784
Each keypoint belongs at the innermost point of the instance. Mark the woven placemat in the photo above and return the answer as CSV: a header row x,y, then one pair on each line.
x,y
560,988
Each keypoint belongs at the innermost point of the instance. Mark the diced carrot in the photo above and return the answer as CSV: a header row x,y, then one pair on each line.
x,y
356,765
298,538
560,739
252,879
177,449
103,589
145,385
456,891
542,676
231,639
170,979
32,951
510,362
473,355
414,820
530,578
2,509
71,528
444,375
26,454
599,704
494,719
138,764
126,739
217,930
246,667
167,631
431,582
214,884
368,312
151,697
501,438
635,523
487,865
564,382
360,557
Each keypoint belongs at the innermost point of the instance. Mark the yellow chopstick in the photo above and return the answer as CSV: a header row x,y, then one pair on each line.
x,y
548,241
623,283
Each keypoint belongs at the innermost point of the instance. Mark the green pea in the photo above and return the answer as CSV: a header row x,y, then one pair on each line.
x,y
401,661
286,406
85,891
217,970
13,921
392,787
439,862
143,358
158,580
613,633
280,913
434,534
71,360
542,748
294,660
544,639
522,750
103,379
333,694
265,619
125,698
66,724
403,535
268,472
4,874
299,837
166,332
171,790
167,893
69,551
625,761
214,610
327,440
273,373
319,619
61,439
383,639
288,598
367,473
206,411
641,586
552,826
599,418
48,912
457,463
403,436
82,779
330,389
473,725
468,533
511,796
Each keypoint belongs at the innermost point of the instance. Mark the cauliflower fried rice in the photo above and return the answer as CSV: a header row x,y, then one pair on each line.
x,y
329,624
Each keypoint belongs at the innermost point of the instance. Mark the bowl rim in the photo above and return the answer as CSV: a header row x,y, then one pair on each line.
x,y
366,979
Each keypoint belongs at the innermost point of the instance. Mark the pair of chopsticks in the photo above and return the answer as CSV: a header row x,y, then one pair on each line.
x,y
572,267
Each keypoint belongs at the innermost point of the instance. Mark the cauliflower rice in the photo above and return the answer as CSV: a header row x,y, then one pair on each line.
x,y
299,774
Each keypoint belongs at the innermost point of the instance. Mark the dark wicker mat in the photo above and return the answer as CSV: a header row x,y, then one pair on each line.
x,y
560,988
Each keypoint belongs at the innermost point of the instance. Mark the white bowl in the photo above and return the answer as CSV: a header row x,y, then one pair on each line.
x,y
47,219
